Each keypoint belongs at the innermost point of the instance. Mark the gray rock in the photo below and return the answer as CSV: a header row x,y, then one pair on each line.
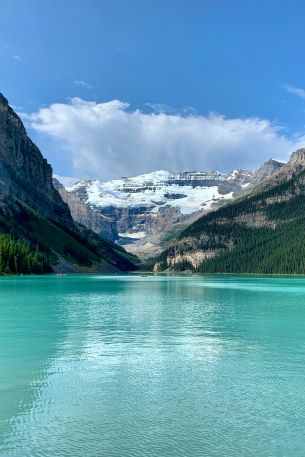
x,y
24,173
83,214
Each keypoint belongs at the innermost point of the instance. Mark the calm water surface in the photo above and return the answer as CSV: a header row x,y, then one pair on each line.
x,y
125,366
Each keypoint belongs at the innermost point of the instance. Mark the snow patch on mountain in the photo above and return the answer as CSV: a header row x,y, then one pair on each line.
x,y
189,192
142,211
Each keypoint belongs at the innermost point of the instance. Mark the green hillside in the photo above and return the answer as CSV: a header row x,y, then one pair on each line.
x,y
261,233
32,243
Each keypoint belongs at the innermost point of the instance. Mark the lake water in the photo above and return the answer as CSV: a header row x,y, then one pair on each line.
x,y
155,366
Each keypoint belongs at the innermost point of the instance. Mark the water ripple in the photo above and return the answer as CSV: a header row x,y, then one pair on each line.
x,y
165,367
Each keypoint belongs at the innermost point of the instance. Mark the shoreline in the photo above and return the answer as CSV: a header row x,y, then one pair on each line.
x,y
150,273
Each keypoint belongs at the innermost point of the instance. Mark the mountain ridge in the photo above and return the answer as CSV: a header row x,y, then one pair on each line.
x,y
24,173
37,231
148,207
262,231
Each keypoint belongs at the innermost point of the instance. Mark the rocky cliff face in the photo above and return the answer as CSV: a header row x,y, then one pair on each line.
x,y
24,173
253,233
33,214
294,166
82,213
268,169
148,207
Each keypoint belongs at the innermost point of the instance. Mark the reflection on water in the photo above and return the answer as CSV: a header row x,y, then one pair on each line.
x,y
156,366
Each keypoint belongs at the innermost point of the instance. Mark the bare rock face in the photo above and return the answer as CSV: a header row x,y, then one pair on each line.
x,y
24,173
149,209
298,158
265,203
146,207
294,166
265,171
82,213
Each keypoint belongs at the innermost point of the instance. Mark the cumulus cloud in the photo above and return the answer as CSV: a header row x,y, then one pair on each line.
x,y
106,140
299,92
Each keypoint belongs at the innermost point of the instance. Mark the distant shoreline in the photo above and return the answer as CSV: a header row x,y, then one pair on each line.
x,y
188,273
149,273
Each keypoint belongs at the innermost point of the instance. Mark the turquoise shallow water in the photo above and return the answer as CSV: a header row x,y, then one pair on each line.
x,y
159,366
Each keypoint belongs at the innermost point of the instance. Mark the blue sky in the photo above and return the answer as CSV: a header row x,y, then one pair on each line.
x,y
237,59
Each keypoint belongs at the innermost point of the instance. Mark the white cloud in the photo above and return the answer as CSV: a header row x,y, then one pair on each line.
x,y
295,90
83,84
17,58
106,140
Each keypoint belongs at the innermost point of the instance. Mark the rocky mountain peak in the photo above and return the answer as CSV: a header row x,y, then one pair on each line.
x,y
3,100
7,110
265,171
294,166
24,173
144,207
298,157
239,175
82,213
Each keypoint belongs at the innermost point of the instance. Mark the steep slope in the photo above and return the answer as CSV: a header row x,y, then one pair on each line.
x,y
148,210
147,207
38,232
293,167
83,214
262,232
268,169
24,173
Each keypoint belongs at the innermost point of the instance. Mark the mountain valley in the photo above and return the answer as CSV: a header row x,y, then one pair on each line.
x,y
143,213
243,221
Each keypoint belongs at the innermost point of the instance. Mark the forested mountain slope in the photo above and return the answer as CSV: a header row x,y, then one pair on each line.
x,y
263,232
142,212
37,232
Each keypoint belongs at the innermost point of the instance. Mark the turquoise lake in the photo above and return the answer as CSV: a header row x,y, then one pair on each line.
x,y
156,366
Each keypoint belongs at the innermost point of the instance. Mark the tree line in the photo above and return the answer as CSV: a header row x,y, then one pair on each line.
x,y
16,256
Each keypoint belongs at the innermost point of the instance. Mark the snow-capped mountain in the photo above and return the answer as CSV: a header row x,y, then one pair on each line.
x,y
189,192
139,211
